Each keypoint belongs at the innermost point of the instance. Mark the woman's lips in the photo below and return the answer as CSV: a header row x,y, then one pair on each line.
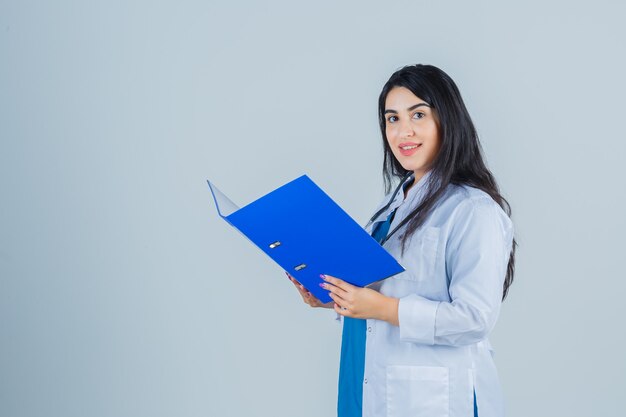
x,y
409,148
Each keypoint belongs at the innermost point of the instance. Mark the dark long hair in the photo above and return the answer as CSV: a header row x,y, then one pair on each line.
x,y
459,160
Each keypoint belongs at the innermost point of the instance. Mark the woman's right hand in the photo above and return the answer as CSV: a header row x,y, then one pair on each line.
x,y
307,297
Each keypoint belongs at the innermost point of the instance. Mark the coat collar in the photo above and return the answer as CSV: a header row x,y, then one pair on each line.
x,y
416,193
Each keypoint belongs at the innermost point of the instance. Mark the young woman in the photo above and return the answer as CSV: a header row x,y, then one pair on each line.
x,y
416,344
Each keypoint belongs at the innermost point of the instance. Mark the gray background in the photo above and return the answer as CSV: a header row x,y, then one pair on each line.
x,y
123,294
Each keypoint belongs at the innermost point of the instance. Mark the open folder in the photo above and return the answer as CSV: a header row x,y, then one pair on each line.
x,y
305,232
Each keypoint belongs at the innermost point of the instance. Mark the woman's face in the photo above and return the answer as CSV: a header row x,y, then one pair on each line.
x,y
412,130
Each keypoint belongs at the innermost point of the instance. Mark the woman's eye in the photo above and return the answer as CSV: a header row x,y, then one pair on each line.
x,y
392,119
418,115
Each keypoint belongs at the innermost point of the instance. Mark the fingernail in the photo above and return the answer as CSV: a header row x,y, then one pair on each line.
x,y
323,284
322,276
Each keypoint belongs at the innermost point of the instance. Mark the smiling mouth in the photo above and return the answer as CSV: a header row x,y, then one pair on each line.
x,y
408,148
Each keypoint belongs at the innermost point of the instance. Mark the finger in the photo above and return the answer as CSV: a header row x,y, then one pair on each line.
x,y
343,302
303,292
312,300
306,296
338,309
315,302
292,279
334,289
299,286
341,310
309,298
337,282
339,301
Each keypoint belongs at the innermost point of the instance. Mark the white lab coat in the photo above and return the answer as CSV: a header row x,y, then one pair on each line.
x,y
450,297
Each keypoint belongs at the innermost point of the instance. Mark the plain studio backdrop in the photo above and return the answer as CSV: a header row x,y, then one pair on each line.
x,y
122,293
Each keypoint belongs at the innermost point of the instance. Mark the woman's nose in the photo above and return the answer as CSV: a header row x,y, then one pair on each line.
x,y
406,129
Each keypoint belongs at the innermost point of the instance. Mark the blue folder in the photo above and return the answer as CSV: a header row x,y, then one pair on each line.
x,y
305,232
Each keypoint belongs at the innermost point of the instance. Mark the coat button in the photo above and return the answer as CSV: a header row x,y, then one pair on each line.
x,y
365,381
369,329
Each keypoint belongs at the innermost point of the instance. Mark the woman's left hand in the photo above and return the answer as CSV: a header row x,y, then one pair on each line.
x,y
360,303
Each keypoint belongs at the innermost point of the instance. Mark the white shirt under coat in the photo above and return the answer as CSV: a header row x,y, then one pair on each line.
x,y
450,297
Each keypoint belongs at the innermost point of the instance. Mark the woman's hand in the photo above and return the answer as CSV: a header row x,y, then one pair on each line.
x,y
309,298
361,303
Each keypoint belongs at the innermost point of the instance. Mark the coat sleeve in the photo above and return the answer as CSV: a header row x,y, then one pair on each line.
x,y
476,255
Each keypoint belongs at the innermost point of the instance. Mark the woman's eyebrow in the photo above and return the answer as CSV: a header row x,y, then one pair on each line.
x,y
410,108
418,105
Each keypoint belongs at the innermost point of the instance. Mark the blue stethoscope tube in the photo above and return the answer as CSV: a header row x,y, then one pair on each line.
x,y
393,196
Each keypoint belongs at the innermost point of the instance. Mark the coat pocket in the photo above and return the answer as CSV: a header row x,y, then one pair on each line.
x,y
417,391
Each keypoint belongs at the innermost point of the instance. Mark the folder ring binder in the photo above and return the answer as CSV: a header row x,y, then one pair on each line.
x,y
304,216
